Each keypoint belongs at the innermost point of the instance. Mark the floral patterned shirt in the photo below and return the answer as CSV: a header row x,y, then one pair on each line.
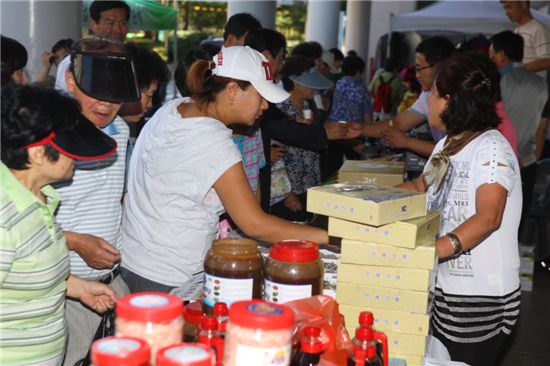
x,y
350,101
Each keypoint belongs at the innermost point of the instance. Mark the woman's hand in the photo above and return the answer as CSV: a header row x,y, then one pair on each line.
x,y
293,203
277,153
93,294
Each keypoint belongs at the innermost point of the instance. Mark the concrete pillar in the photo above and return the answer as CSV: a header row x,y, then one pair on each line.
x,y
358,27
264,11
322,22
39,24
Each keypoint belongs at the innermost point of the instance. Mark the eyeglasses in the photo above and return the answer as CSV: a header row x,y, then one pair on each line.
x,y
418,69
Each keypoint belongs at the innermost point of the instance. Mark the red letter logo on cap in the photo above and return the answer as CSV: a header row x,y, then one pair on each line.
x,y
267,69
220,58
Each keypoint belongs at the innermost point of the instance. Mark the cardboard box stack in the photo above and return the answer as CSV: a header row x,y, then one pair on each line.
x,y
388,262
384,173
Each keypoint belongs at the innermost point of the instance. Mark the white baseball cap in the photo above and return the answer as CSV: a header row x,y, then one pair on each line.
x,y
244,63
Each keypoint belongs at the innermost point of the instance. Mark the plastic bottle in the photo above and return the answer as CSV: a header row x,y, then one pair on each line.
x,y
366,320
222,315
209,335
362,342
311,348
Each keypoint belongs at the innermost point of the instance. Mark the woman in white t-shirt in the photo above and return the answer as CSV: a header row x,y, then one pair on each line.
x,y
186,170
473,179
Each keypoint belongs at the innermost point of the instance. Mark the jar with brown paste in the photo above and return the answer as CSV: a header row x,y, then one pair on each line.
x,y
233,272
293,271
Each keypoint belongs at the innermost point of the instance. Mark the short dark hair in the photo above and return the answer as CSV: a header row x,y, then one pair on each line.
x,y
510,43
63,43
294,65
338,55
352,65
149,66
311,49
471,82
99,6
266,40
435,49
180,74
29,114
239,24
14,57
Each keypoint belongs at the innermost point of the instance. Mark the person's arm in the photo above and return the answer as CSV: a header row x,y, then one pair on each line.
x,y
93,294
542,64
415,185
490,204
96,252
542,131
42,76
234,191
396,139
404,121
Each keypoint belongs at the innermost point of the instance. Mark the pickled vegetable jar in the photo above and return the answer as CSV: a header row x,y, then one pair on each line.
x,y
116,351
186,354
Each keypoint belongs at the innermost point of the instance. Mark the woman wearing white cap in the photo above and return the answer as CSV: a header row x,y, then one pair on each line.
x,y
186,171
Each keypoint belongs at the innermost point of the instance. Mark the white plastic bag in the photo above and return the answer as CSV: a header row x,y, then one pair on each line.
x,y
437,354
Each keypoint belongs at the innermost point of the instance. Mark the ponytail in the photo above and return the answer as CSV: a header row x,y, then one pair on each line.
x,y
196,76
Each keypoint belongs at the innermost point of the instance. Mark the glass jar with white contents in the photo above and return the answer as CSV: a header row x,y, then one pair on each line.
x,y
259,333
116,351
155,317
186,354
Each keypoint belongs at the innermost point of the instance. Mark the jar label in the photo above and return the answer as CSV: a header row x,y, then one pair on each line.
x,y
186,353
262,356
281,293
228,290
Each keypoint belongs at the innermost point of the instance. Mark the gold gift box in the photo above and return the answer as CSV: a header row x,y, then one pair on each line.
x,y
357,252
383,298
366,203
393,277
405,234
390,320
384,173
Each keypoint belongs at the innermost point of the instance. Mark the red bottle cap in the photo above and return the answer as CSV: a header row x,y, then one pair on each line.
x,y
192,312
364,334
312,331
185,354
259,314
366,318
311,341
149,306
116,351
295,251
220,309
209,322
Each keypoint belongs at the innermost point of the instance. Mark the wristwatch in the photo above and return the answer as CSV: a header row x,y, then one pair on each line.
x,y
455,242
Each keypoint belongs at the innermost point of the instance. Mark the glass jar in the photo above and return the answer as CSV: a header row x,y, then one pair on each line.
x,y
186,354
233,272
155,317
192,313
259,333
293,270
116,351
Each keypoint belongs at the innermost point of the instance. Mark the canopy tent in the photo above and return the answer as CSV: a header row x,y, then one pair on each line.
x,y
486,17
145,15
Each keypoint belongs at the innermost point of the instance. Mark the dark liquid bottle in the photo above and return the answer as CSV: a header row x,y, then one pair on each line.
x,y
366,320
210,336
311,348
221,314
364,349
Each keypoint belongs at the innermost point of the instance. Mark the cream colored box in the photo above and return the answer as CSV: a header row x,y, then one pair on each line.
x,y
403,344
411,360
357,252
393,277
383,298
390,320
366,203
384,173
405,234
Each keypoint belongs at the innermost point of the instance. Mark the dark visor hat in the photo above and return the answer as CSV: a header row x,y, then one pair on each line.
x,y
84,141
105,76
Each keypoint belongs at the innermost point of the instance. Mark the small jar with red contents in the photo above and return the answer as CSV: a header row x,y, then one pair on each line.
x,y
117,351
155,317
186,354
293,270
192,313
259,333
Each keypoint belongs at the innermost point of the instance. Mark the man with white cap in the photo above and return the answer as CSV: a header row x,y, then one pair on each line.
x,y
188,167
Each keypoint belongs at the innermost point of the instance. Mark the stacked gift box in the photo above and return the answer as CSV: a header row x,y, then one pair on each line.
x,y
388,262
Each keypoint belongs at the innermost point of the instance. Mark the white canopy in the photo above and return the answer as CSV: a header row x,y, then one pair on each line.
x,y
485,17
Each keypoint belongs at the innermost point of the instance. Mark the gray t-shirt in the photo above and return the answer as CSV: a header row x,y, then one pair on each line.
x,y
171,211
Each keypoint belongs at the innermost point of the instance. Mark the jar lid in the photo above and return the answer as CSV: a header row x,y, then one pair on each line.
x,y
295,251
260,314
188,354
235,247
149,306
192,312
118,351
